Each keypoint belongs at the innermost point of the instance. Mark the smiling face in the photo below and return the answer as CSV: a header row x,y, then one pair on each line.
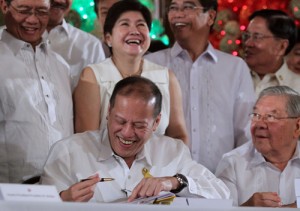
x,y
293,59
262,53
190,24
58,10
130,124
23,26
274,138
130,35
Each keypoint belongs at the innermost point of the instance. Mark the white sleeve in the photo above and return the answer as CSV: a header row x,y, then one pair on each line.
x,y
226,172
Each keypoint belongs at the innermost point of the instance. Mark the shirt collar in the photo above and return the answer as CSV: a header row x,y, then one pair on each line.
x,y
280,74
146,153
65,27
16,45
210,53
297,153
259,159
106,151
62,28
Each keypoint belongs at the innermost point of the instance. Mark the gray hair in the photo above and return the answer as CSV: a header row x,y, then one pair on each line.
x,y
293,98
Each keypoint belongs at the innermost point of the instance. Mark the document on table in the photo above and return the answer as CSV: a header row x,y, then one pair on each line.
x,y
162,198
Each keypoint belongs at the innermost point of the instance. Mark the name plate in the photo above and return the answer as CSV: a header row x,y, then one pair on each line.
x,y
18,192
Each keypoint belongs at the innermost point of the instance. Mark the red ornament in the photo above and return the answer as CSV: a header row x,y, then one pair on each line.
x,y
241,10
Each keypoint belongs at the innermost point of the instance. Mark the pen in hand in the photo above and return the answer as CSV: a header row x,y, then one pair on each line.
x,y
101,180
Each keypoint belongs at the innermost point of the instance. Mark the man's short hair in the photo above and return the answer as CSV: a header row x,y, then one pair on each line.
x,y
209,4
96,7
138,87
298,35
279,24
8,2
293,98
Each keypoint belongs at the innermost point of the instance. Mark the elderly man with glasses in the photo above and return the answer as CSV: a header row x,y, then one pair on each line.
x,y
262,172
270,35
35,91
216,87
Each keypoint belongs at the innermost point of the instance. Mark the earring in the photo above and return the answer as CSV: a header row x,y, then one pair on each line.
x,y
109,45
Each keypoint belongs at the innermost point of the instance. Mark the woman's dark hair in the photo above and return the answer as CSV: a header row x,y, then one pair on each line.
x,y
121,7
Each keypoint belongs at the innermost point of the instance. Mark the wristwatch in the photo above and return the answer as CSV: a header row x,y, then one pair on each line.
x,y
183,182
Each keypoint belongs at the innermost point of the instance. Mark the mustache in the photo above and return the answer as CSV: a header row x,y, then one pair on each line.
x,y
57,5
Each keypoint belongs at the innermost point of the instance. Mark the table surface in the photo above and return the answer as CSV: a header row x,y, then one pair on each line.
x,y
72,206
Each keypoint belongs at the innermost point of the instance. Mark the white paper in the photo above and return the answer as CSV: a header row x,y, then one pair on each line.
x,y
147,200
19,192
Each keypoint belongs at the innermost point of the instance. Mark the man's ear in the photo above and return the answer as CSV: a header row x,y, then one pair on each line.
x,y
284,43
297,131
156,122
211,17
109,110
4,6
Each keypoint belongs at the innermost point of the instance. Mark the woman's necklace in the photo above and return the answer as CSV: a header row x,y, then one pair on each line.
x,y
138,73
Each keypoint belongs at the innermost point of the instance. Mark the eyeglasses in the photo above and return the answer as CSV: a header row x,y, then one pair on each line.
x,y
256,37
186,8
268,117
27,12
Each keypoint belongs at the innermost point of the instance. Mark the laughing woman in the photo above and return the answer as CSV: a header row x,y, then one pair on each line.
x,y
126,31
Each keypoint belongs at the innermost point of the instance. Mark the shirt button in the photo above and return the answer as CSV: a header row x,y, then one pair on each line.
x,y
194,130
194,108
43,77
47,95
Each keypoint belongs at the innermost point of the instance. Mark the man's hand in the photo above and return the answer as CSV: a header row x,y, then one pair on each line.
x,y
153,186
264,199
81,191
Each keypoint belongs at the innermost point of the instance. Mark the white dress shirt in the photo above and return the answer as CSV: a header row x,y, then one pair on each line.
x,y
218,96
35,106
77,47
83,154
283,77
245,172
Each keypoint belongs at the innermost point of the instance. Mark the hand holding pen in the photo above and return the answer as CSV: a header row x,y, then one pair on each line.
x,y
82,191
